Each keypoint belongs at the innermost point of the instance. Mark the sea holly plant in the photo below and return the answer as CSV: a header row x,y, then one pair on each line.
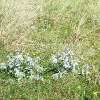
x,y
65,61
21,65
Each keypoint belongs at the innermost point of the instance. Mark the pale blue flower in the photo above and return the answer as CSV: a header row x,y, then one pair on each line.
x,y
3,66
57,76
54,60
18,73
85,69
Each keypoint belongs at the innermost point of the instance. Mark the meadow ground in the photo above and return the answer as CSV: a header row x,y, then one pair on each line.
x,y
43,26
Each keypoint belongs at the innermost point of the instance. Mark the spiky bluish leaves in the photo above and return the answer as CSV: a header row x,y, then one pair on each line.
x,y
65,61
22,65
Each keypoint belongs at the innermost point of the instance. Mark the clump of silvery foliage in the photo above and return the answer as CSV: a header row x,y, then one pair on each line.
x,y
22,65
66,61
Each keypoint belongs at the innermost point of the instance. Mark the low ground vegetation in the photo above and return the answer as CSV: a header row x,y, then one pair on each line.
x,y
35,29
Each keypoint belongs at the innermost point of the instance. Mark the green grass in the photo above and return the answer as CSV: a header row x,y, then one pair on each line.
x,y
43,26
69,87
